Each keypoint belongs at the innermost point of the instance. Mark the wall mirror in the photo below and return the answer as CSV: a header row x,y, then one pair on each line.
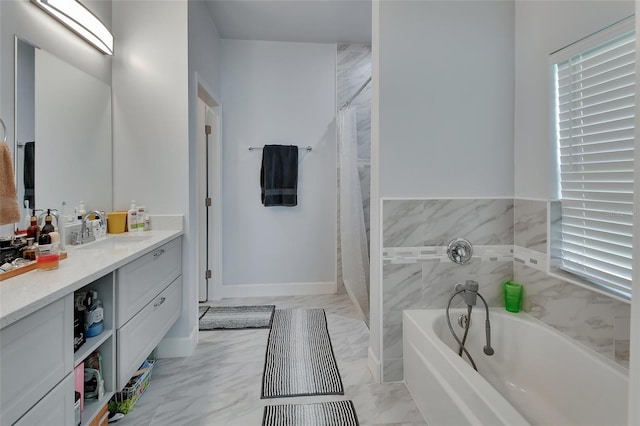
x,y
63,148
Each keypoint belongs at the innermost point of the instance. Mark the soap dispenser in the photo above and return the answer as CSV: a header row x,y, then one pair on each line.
x,y
33,231
48,226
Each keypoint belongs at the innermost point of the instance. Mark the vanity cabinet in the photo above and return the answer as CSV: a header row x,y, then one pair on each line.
x,y
140,281
149,292
56,408
141,300
104,343
36,354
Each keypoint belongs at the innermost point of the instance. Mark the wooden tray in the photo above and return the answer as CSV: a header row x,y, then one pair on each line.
x,y
26,268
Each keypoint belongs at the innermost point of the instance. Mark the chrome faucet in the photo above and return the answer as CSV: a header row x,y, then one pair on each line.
x,y
86,234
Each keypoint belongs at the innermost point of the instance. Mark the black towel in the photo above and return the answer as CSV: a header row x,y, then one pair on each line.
x,y
279,175
29,173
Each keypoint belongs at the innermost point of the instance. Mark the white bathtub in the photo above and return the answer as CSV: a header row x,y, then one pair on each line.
x,y
537,376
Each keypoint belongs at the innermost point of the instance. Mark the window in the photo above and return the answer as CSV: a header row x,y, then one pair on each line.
x,y
595,113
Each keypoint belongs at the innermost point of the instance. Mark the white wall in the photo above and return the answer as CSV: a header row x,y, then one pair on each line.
x,y
204,70
278,93
543,27
150,124
442,122
446,98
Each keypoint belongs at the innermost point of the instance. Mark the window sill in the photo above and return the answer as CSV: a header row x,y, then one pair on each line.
x,y
563,275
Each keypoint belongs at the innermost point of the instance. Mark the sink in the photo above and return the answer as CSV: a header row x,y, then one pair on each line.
x,y
114,242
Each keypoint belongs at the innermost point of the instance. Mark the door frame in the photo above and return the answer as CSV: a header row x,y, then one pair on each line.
x,y
214,239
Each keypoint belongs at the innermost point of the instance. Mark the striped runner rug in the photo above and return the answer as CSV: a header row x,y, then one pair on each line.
x,y
235,317
299,360
336,413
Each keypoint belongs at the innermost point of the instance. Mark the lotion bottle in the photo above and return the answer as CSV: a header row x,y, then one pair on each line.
x,y
132,218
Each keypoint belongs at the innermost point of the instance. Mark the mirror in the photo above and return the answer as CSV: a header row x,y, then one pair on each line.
x,y
63,134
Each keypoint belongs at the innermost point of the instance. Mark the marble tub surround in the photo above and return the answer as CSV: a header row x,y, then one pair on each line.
x,y
427,286
26,293
595,320
410,223
530,224
417,273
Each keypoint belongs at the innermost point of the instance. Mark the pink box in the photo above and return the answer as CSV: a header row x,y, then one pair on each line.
x,y
78,375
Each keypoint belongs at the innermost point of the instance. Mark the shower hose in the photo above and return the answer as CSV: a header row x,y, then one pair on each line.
x,y
461,343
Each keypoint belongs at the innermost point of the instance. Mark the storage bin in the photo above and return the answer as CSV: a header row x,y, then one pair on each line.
x,y
116,222
124,401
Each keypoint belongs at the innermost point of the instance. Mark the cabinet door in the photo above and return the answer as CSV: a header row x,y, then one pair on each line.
x,y
139,336
56,408
141,280
36,353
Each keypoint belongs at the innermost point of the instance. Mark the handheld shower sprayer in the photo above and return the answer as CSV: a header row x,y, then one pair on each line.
x,y
469,291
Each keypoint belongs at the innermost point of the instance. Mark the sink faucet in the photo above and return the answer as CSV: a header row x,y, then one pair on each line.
x,y
87,235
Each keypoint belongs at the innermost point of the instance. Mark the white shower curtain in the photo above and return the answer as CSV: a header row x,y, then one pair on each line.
x,y
353,237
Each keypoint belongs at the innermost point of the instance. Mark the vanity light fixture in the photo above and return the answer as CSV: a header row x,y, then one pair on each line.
x,y
81,21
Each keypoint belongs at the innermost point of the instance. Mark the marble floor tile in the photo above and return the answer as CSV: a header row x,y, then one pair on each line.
x,y
220,384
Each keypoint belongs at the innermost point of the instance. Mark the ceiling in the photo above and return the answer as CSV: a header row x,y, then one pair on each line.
x,y
309,21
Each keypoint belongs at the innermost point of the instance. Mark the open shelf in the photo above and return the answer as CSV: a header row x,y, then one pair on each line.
x,y
90,345
92,407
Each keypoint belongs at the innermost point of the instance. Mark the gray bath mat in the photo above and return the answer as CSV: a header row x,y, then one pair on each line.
x,y
336,413
235,317
299,360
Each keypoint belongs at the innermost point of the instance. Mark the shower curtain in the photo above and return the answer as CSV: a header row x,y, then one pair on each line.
x,y
353,237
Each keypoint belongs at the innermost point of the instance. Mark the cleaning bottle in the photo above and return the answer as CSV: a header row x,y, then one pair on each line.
x,y
94,315
132,218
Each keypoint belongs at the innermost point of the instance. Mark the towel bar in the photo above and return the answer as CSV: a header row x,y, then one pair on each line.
x,y
306,148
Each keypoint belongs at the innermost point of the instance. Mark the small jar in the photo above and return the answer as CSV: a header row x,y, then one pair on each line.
x,y
47,257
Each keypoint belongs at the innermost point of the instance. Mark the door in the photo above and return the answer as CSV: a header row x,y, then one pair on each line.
x,y
209,210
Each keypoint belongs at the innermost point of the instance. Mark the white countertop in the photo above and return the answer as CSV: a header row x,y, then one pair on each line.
x,y
26,293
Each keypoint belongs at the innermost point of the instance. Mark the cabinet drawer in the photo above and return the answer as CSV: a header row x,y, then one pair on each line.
x,y
36,353
142,334
56,408
140,281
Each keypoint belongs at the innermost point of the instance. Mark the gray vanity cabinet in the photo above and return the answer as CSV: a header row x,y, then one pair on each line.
x,y
149,293
36,353
141,299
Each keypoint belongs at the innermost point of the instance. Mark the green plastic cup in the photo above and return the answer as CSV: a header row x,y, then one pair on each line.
x,y
512,296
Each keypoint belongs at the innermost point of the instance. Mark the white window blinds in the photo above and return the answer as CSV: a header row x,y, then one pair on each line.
x,y
595,112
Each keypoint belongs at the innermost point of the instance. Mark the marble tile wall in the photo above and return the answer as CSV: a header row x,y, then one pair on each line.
x,y
510,242
597,321
418,274
353,69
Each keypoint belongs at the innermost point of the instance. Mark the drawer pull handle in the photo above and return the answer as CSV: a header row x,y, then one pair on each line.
x,y
162,299
158,253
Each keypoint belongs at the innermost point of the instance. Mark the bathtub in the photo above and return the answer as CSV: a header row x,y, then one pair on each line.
x,y
537,376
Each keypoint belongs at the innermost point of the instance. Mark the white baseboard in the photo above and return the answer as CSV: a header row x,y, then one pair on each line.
x,y
177,347
374,367
288,289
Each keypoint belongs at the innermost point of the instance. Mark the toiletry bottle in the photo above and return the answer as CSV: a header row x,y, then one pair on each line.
x,y
48,226
94,315
82,210
142,212
132,218
33,231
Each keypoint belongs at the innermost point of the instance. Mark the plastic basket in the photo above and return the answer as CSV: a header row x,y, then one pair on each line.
x,y
124,401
